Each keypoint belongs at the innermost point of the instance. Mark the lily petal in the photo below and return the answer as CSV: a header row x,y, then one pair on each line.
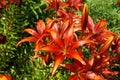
x,y
93,76
91,25
74,77
40,26
49,48
58,61
107,71
69,35
70,67
32,32
65,26
84,20
56,37
76,55
49,24
81,43
106,45
28,39
100,26
38,45
91,60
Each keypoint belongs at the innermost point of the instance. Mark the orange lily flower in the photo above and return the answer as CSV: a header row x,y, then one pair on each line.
x,y
64,45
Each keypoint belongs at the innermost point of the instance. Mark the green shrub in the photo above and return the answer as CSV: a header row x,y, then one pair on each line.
x,y
105,9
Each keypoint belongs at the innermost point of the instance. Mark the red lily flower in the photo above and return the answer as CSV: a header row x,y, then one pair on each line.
x,y
95,68
63,16
39,37
35,34
64,37
64,45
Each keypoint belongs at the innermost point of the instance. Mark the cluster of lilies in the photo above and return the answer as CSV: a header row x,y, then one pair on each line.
x,y
64,36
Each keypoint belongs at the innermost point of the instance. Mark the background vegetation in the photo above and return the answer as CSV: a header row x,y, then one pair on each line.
x,y
105,9
16,61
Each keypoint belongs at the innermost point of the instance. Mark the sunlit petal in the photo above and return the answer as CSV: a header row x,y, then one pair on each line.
x,y
69,35
40,25
58,60
56,37
100,26
65,26
81,43
91,60
94,76
106,45
90,25
76,55
50,23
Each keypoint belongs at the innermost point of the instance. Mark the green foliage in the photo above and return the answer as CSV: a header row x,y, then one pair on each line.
x,y
105,9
